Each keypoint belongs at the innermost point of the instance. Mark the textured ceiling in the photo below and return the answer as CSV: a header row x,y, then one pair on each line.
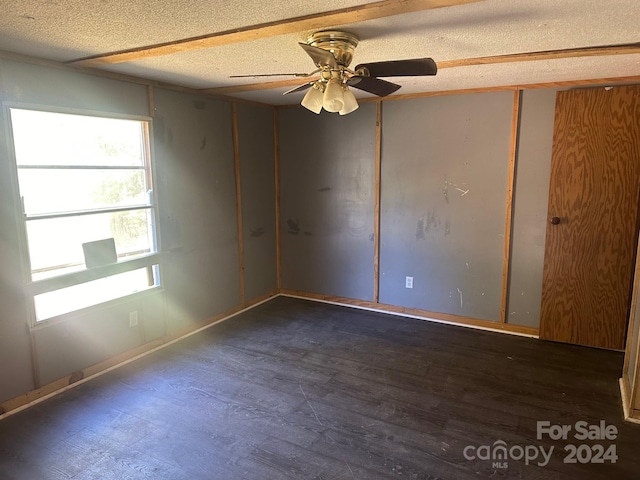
x,y
73,29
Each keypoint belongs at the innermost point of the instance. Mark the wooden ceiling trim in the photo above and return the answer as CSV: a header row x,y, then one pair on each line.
x,y
545,55
463,62
344,16
250,87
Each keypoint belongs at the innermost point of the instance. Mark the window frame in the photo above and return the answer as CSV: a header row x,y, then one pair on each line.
x,y
152,260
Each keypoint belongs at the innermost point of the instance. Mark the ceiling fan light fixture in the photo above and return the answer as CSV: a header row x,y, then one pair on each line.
x,y
313,99
333,99
350,102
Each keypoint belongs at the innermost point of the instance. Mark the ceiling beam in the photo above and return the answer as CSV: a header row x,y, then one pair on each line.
x,y
633,48
545,55
343,16
250,87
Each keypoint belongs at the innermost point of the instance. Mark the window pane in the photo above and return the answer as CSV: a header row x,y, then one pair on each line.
x,y
56,191
45,138
55,244
65,300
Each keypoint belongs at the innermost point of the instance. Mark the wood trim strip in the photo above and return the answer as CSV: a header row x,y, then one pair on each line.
x,y
276,168
16,57
635,376
38,395
236,163
599,51
529,86
612,81
630,414
376,210
343,16
624,395
415,312
252,87
632,319
513,152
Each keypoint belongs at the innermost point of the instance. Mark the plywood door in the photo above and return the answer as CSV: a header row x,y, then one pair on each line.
x,y
595,182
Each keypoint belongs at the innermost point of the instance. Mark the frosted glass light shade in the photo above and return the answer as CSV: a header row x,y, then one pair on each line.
x,y
350,102
333,99
313,100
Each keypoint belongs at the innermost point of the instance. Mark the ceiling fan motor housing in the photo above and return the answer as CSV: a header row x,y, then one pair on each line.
x,y
340,44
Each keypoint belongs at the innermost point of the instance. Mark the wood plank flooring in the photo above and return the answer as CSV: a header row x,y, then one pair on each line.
x,y
300,390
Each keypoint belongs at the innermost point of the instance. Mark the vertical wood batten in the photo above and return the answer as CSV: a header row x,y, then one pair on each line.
x,y
276,169
635,374
513,153
236,161
376,212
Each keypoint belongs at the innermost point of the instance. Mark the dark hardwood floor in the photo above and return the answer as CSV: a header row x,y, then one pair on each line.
x,y
300,390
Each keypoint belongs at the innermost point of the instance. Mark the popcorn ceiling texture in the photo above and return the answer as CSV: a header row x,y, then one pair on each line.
x,y
73,29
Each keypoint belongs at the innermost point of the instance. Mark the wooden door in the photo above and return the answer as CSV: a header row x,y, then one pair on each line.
x,y
594,193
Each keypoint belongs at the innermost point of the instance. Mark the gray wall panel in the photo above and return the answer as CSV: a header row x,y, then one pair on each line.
x,y
327,169
531,194
257,177
195,184
57,88
15,357
35,84
90,338
195,180
444,178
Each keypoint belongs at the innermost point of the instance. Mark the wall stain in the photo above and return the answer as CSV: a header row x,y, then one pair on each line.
x,y
158,129
293,226
447,227
258,232
371,237
420,229
324,189
199,105
433,221
427,223
204,143
308,234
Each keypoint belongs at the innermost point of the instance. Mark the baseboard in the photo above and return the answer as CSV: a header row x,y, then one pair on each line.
x,y
33,397
446,319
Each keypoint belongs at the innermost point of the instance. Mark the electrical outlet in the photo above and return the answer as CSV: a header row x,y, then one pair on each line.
x,y
408,282
133,318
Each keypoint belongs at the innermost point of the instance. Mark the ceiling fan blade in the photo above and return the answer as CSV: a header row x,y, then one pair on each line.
x,y
378,87
299,88
319,56
271,75
401,68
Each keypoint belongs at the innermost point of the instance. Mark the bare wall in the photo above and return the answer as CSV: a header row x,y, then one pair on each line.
x,y
257,175
445,165
24,84
444,181
327,198
195,179
195,183
531,195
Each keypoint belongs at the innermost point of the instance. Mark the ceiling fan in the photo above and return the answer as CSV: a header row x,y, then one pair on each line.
x,y
332,52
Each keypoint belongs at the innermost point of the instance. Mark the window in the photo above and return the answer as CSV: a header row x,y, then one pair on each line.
x,y
84,179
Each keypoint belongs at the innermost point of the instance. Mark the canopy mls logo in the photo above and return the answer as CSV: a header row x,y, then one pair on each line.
x,y
500,452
